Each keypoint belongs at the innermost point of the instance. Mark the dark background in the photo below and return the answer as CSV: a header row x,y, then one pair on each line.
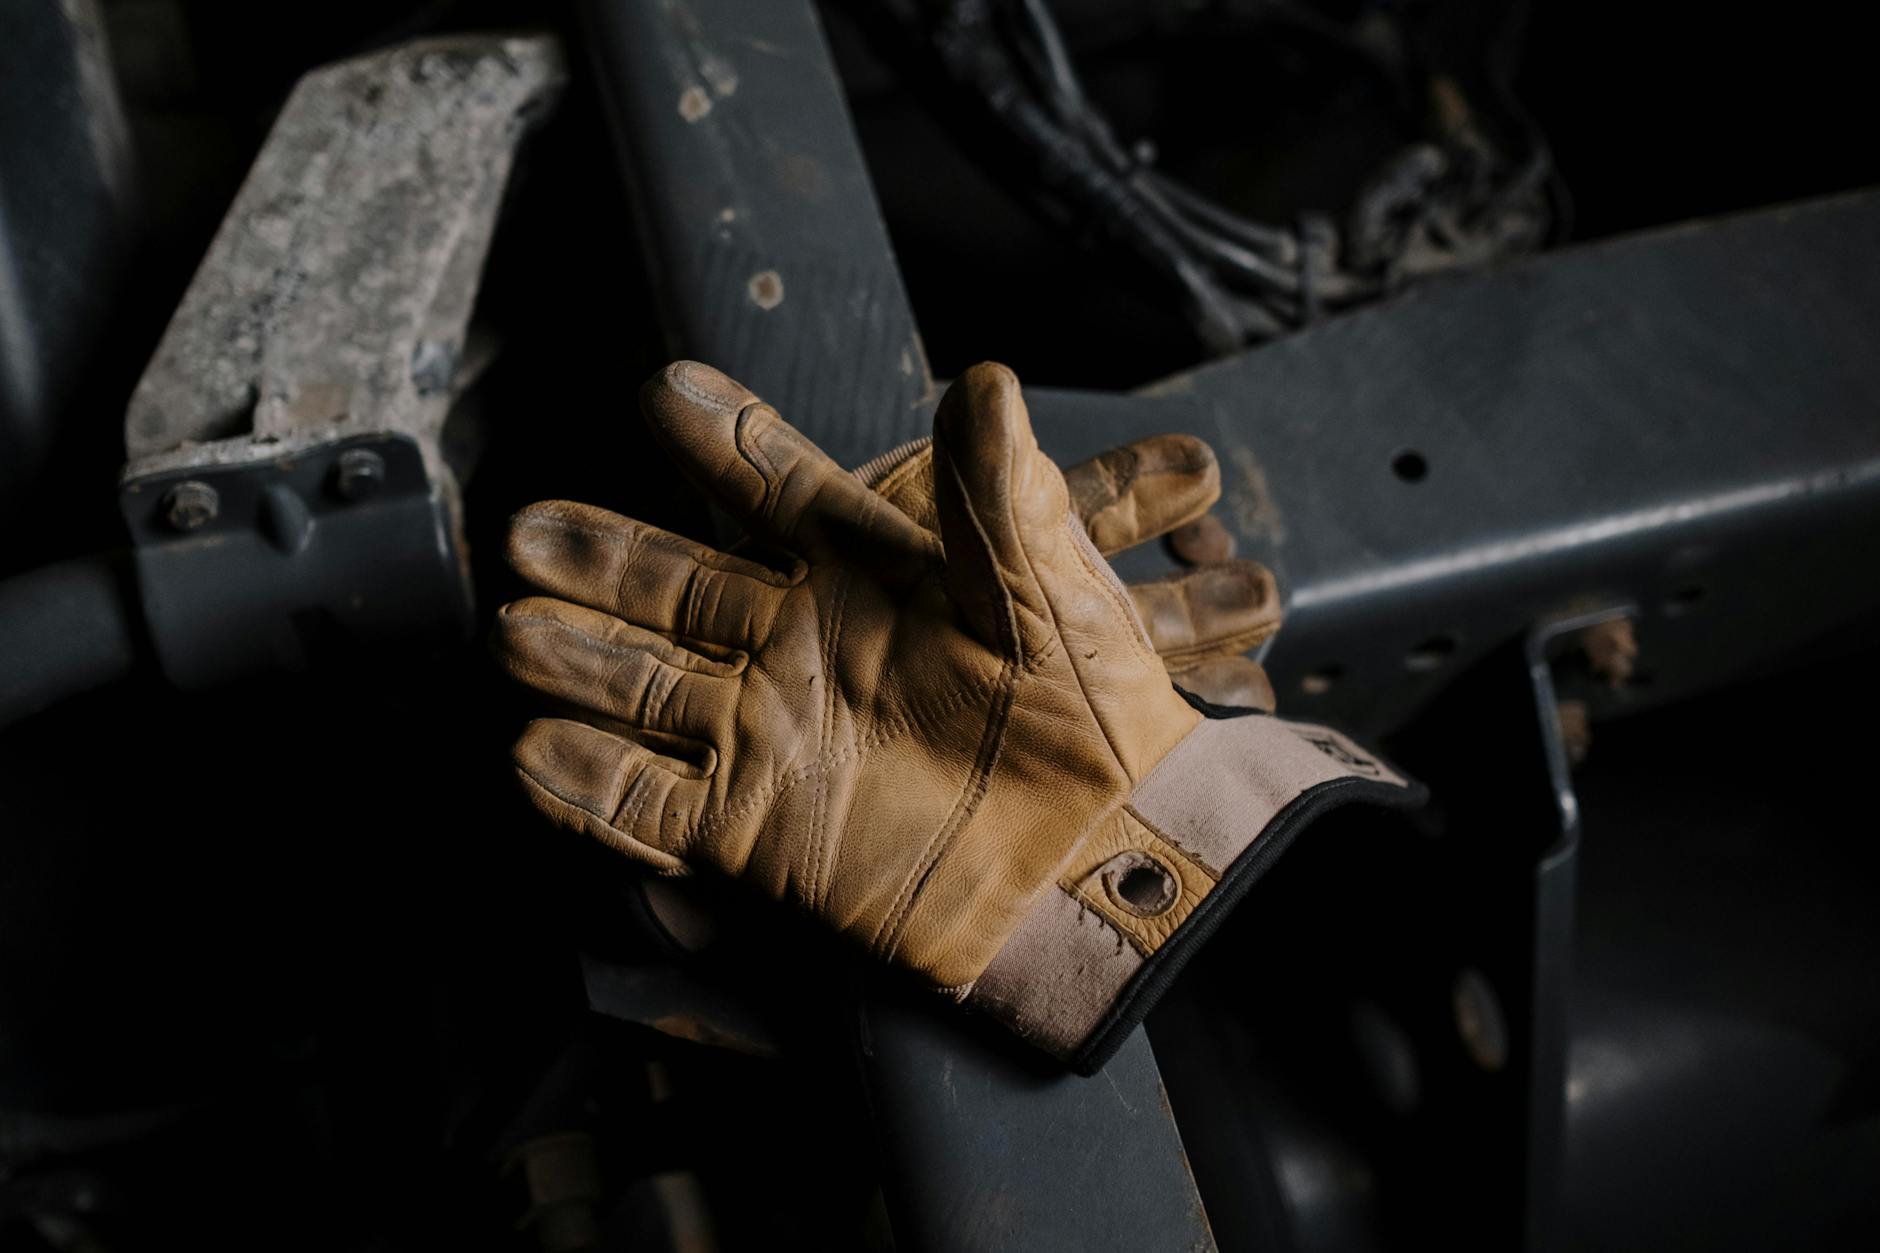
x,y
284,965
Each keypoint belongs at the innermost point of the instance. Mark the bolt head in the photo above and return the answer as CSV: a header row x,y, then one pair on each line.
x,y
189,505
358,473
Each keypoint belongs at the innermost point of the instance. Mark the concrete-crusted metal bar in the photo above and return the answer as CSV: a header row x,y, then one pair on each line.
x,y
287,488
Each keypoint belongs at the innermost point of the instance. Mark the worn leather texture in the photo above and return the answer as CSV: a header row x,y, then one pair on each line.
x,y
1200,621
916,733
903,733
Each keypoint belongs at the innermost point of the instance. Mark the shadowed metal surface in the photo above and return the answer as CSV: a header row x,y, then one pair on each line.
x,y
768,250
66,201
1663,419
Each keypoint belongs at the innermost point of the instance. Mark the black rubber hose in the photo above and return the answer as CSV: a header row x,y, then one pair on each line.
x,y
64,629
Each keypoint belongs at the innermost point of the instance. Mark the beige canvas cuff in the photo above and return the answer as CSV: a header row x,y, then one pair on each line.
x,y
1092,955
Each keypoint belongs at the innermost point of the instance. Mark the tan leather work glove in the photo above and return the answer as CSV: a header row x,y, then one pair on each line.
x,y
1200,621
959,750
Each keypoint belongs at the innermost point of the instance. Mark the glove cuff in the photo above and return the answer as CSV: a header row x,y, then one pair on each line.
x,y
1134,901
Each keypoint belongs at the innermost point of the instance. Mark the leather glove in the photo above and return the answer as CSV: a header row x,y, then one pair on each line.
x,y
957,749
1199,621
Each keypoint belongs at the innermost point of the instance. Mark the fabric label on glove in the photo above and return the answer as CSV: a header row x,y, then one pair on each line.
x,y
1230,777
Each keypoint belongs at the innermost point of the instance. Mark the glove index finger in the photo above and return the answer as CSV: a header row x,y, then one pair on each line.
x,y
762,469
695,412
1143,489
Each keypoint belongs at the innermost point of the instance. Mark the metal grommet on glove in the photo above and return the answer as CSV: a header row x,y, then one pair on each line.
x,y
1140,884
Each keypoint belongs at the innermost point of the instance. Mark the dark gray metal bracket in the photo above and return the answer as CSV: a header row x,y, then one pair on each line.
x,y
1549,954
287,481
1667,419
249,568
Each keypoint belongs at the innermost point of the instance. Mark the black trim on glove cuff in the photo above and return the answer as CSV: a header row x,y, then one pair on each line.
x,y
1155,878
1160,970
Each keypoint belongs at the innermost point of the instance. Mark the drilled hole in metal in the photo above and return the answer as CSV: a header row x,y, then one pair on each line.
x,y
1684,599
1410,466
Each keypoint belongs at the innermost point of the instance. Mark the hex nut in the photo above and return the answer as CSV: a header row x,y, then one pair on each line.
x,y
190,505
358,474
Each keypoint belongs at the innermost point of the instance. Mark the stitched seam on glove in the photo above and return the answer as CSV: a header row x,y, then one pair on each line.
x,y
1083,688
743,440
1118,595
889,730
595,825
710,667
643,787
1008,623
1178,659
887,937
819,809
991,740
643,535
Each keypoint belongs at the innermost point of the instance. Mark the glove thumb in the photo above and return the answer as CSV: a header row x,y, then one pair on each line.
x,y
1002,506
